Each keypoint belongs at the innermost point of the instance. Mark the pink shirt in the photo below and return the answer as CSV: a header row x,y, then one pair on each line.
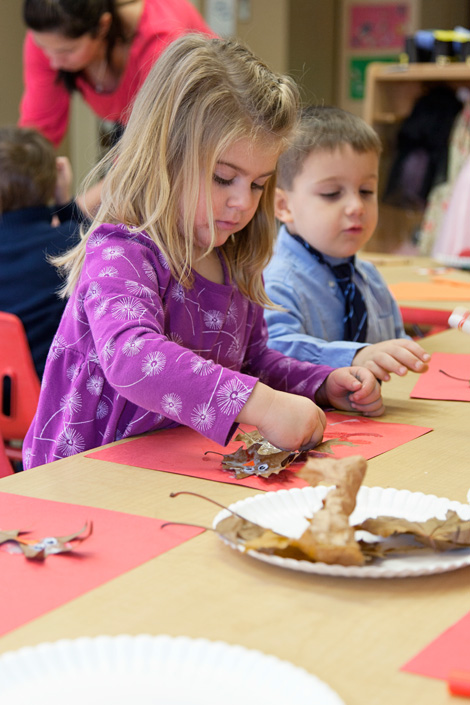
x,y
45,103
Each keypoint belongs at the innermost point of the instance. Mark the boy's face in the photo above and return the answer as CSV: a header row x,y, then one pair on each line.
x,y
333,201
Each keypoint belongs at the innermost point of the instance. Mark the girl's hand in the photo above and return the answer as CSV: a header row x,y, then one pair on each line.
x,y
352,389
288,421
397,356
63,186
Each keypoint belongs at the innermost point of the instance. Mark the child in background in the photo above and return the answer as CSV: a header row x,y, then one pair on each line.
x,y
338,309
164,325
31,179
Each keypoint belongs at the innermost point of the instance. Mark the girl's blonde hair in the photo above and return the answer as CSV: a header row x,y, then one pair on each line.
x,y
200,97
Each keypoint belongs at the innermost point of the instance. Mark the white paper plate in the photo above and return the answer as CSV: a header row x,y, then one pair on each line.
x,y
287,511
153,670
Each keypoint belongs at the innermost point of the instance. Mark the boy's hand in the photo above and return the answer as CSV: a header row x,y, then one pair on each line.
x,y
63,186
288,421
396,356
352,389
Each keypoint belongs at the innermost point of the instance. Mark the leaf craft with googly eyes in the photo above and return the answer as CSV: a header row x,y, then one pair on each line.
x,y
263,459
39,549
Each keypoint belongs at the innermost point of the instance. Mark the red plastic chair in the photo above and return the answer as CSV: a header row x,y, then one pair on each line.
x,y
19,384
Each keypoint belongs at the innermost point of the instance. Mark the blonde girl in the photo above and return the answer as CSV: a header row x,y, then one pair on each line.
x,y
164,323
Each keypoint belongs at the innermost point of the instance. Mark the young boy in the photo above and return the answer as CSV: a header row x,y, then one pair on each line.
x,y
338,309
31,178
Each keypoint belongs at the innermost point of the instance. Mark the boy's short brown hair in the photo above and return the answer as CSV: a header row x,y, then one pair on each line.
x,y
324,128
28,171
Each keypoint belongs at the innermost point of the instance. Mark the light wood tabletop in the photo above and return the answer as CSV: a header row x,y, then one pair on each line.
x,y
354,634
397,269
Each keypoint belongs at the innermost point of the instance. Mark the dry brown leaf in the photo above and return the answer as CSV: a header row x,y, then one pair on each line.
x,y
263,459
440,534
258,458
39,549
329,537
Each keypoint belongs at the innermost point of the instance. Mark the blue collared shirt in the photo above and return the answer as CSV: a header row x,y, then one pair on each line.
x,y
311,328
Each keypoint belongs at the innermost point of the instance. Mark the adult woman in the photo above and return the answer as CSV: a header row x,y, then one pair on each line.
x,y
102,48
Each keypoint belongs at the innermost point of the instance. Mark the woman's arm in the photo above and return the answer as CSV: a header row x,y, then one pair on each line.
x,y
45,103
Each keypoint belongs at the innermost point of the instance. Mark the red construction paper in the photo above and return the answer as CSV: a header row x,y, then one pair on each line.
x,y
433,384
182,451
119,542
440,289
450,651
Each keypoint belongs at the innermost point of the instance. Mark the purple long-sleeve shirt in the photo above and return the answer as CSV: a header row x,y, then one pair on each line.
x,y
135,351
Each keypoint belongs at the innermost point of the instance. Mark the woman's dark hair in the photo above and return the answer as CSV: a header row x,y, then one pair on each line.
x,y
72,19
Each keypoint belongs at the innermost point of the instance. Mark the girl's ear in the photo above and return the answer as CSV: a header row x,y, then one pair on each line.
x,y
281,206
104,25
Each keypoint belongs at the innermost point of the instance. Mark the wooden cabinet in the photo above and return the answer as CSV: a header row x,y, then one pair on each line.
x,y
391,92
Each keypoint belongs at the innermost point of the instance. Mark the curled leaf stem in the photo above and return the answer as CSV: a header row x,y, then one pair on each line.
x,y
461,379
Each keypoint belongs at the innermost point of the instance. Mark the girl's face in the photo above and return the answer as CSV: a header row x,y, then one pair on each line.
x,y
66,54
238,182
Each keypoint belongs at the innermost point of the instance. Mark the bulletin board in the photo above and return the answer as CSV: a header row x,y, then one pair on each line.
x,y
372,30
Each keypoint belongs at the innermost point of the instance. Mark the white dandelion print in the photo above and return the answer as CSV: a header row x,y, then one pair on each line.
x,y
93,356
286,363
175,338
232,313
57,347
177,293
138,289
69,442
94,290
27,457
73,371
163,261
80,301
97,239
232,396
94,384
71,402
213,320
128,308
108,272
101,307
202,367
153,363
149,270
133,346
109,348
300,387
172,404
101,410
112,252
203,417
234,350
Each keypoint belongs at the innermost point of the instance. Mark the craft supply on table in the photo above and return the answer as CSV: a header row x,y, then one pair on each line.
x,y
460,318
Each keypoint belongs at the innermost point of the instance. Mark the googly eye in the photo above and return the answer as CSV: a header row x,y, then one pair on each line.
x,y
49,541
263,467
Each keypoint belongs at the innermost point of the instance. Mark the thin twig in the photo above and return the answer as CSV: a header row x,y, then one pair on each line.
x,y
461,379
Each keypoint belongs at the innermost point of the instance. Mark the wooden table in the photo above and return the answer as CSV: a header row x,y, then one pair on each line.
x,y
354,634
400,268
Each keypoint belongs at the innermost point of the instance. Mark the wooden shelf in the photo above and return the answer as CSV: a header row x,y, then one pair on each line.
x,y
392,89
390,95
